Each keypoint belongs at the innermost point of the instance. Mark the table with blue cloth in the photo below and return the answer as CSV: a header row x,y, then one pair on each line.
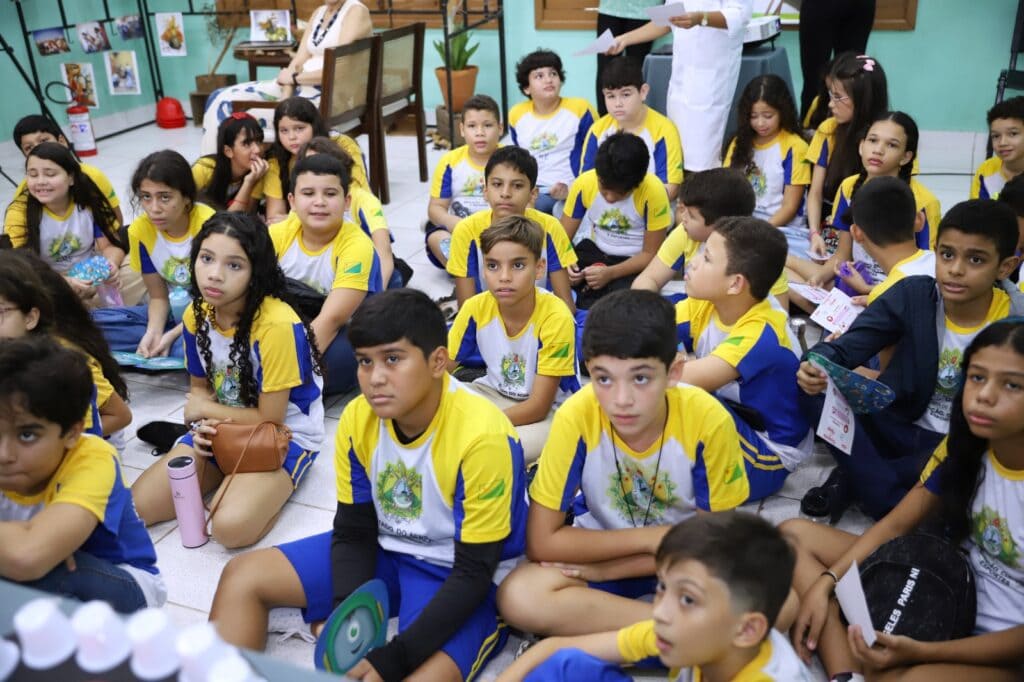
x,y
756,61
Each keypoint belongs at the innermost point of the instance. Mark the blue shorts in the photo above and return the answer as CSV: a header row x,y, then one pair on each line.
x,y
630,588
574,664
411,585
765,471
296,462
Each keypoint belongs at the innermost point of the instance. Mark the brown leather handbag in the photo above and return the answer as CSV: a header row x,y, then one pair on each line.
x,y
250,448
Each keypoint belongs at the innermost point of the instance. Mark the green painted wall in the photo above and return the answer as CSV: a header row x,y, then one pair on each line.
x,y
943,73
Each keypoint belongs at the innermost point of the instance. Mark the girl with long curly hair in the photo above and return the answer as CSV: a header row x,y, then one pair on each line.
x,y
251,359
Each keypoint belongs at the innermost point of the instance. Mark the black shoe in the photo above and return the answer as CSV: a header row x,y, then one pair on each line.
x,y
831,498
162,435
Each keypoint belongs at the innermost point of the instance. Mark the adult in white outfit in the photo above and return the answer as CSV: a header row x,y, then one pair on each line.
x,y
336,22
707,47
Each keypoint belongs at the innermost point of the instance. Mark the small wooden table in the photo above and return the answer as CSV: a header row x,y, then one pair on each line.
x,y
258,58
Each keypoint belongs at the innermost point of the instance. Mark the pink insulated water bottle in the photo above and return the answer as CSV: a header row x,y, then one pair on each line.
x,y
188,501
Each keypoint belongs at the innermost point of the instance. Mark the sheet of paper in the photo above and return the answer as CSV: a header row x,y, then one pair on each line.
x,y
836,425
660,14
813,294
850,593
837,312
599,46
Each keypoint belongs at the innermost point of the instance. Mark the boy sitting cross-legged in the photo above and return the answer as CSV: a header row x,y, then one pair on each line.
x,y
67,522
510,184
722,582
523,336
629,454
431,500
745,352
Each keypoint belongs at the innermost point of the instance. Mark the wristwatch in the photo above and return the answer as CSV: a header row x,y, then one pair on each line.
x,y
704,19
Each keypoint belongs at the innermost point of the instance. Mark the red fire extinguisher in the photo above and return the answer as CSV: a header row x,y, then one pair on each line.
x,y
82,137
83,140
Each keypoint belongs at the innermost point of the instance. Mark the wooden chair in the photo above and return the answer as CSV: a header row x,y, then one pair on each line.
x,y
401,94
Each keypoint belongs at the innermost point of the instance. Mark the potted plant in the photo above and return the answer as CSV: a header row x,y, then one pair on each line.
x,y
463,74
221,31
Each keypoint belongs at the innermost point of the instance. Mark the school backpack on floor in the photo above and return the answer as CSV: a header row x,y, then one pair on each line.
x,y
920,586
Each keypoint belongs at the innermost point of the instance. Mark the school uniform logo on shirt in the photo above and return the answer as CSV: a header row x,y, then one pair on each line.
x,y
227,385
613,220
636,491
513,370
758,181
543,142
401,497
62,248
992,534
176,271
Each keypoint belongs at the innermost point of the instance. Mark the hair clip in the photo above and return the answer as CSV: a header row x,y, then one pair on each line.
x,y
242,115
869,63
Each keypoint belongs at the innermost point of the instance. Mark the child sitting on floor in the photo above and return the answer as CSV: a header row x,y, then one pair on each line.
x,y
523,336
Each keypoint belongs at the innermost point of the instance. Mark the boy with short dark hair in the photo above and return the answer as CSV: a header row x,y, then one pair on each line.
x,y
884,218
29,131
623,212
523,336
550,126
510,184
67,522
745,353
1006,129
457,190
629,454
625,93
735,568
330,255
431,500
929,322
1013,195
704,198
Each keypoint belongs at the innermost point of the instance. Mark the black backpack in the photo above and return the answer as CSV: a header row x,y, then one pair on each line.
x,y
920,586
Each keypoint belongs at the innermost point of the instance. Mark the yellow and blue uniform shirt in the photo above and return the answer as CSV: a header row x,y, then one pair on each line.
x,y
460,181
153,251
776,165
281,358
618,228
842,217
587,468
546,345
996,538
821,146
775,661
15,218
349,261
679,248
989,179
90,477
953,341
461,480
761,350
921,262
272,188
101,391
555,140
660,135
466,259
65,240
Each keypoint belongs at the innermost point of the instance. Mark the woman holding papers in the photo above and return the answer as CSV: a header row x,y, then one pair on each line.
x,y
334,23
620,16
707,45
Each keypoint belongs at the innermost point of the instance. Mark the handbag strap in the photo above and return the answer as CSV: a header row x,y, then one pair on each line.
x,y
231,476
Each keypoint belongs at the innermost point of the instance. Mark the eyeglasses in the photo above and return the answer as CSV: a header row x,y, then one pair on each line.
x,y
842,99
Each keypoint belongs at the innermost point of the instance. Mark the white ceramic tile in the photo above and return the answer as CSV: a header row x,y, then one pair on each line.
x,y
318,487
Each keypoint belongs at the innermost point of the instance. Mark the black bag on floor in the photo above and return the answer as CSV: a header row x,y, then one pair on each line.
x,y
920,586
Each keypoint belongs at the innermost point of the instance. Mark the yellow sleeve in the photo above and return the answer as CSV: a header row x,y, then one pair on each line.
x,y
353,258
354,444
281,233
714,431
560,467
676,248
352,148
559,240
781,285
457,332
728,153
16,218
441,183
637,642
88,479
279,355
937,458
104,389
103,182
819,150
654,204
462,239
799,172
140,233
202,173
487,476
557,336
367,210
674,152
272,181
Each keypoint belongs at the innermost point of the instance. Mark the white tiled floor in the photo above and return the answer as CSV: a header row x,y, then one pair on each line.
x,y
191,574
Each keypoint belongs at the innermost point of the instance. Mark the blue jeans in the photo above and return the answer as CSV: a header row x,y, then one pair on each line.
x,y
93,578
545,204
340,373
124,328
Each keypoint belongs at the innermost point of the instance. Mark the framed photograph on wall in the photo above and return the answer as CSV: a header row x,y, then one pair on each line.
x,y
122,72
50,41
270,26
92,37
170,31
81,82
